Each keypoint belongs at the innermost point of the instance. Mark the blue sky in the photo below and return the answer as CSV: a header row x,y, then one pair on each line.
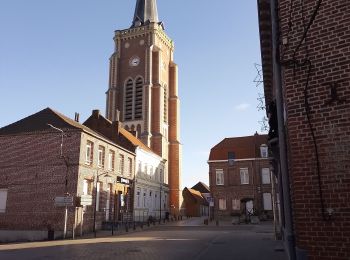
x,y
55,54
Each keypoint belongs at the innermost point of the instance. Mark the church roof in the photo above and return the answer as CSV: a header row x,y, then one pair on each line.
x,y
145,12
246,147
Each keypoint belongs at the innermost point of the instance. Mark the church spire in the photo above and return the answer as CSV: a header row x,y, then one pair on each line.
x,y
145,12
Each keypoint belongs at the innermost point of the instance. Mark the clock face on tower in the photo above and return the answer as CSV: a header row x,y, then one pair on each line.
x,y
134,61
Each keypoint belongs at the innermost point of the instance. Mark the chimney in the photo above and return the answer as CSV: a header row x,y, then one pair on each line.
x,y
96,113
76,117
116,125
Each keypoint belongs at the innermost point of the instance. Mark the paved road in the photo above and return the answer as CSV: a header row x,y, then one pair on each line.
x,y
160,242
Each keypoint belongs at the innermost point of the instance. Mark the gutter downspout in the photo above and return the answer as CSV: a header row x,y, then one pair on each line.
x,y
289,237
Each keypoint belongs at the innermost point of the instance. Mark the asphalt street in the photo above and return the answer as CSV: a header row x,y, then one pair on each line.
x,y
179,241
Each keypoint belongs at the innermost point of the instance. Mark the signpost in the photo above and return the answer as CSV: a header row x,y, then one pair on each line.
x,y
64,201
86,200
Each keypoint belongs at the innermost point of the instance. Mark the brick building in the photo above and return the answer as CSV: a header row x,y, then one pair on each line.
x,y
150,184
143,86
39,163
240,177
306,67
195,200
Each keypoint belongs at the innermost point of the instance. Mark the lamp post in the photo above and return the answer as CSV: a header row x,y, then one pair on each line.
x,y
66,179
95,204
160,201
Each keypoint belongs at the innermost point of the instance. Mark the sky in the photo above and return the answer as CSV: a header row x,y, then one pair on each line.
x,y
55,54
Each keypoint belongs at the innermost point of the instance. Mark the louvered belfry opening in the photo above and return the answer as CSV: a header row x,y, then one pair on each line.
x,y
138,99
129,96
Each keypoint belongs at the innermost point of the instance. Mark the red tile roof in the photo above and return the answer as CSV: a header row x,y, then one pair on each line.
x,y
134,140
242,147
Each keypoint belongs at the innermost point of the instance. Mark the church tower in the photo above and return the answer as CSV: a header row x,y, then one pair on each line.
x,y
143,86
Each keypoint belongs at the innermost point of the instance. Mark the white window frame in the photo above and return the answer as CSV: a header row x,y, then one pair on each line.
x,y
111,158
244,174
101,156
3,200
85,187
89,153
264,152
265,176
222,204
219,177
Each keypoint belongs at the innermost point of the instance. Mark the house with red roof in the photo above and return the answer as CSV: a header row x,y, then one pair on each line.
x,y
240,177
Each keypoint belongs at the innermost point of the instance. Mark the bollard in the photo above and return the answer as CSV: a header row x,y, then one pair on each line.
x,y
134,226
127,227
217,222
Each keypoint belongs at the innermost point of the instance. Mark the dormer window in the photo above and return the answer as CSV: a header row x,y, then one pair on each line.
x,y
264,153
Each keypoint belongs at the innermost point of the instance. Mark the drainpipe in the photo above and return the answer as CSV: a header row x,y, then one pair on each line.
x,y
277,82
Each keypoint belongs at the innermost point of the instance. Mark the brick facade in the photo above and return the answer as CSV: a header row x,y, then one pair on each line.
x,y
33,172
159,125
316,84
231,187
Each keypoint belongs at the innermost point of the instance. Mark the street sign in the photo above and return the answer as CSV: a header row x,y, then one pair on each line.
x,y
86,200
64,201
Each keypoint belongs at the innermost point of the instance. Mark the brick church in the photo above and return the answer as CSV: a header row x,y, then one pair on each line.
x,y
143,90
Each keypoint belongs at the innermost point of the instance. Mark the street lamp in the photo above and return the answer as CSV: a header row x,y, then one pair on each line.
x,y
66,180
60,130
160,201
95,204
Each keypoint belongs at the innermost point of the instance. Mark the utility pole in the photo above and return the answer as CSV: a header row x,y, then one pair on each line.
x,y
95,204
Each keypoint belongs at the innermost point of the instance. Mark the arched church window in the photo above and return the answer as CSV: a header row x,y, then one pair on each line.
x,y
138,98
129,95
126,128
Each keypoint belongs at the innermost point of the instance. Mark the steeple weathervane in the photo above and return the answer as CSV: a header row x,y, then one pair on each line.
x,y
145,12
